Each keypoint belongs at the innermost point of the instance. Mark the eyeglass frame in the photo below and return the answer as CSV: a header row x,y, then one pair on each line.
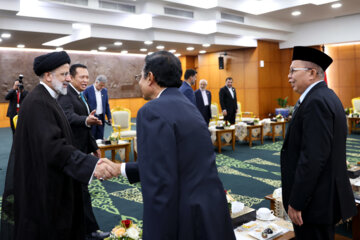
x,y
292,70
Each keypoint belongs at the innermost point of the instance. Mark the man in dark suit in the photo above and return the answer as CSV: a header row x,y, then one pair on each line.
x,y
185,88
78,114
183,196
315,186
203,100
228,101
98,100
15,96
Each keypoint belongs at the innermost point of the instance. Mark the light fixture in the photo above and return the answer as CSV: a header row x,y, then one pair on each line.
x,y
296,13
206,45
6,35
148,42
20,45
59,49
143,49
160,47
172,50
202,51
336,5
124,52
117,43
0,40
190,48
94,51
102,48
150,53
177,54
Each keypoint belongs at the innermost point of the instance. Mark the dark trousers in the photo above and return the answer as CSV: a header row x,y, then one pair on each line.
x,y
90,220
98,130
230,117
12,125
314,232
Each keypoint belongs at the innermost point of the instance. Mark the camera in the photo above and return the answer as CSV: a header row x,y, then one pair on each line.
x,y
20,79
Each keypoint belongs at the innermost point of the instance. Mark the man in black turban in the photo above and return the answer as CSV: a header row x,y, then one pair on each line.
x,y
42,197
315,186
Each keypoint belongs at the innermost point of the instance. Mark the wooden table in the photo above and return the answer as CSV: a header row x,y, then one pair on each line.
x,y
219,143
113,148
273,133
355,220
250,137
352,121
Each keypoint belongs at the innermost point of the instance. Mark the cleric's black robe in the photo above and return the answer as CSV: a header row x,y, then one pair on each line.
x,y
44,174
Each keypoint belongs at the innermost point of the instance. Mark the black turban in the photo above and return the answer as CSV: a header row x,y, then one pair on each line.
x,y
312,55
50,61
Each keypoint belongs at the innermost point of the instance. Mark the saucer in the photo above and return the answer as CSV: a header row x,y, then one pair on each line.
x,y
272,217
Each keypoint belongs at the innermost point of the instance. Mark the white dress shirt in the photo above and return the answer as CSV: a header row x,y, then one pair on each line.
x,y
99,106
231,91
205,97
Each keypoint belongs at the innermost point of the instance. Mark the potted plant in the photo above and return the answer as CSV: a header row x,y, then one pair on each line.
x,y
283,110
114,139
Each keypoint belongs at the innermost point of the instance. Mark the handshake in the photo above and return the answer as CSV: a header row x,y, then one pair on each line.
x,y
106,169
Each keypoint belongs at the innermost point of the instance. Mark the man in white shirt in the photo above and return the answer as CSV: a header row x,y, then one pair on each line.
x,y
203,100
97,98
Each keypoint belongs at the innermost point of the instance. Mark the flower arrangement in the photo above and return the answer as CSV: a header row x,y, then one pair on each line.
x,y
127,230
256,121
114,138
229,199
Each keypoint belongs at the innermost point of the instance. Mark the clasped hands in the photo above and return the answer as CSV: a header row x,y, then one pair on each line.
x,y
106,169
92,120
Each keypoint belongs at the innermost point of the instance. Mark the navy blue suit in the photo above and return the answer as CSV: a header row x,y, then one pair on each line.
x,y
183,196
188,92
204,110
98,130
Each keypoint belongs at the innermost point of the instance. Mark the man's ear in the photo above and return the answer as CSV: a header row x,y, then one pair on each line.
x,y
47,77
151,78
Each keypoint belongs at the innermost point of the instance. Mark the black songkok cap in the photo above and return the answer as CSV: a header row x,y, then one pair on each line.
x,y
50,61
312,55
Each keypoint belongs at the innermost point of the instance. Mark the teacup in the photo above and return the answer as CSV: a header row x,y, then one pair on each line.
x,y
264,213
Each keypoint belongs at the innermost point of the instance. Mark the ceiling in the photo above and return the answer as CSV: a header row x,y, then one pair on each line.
x,y
225,24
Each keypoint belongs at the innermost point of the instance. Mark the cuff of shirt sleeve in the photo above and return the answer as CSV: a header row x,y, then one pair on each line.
x,y
92,175
123,170
87,124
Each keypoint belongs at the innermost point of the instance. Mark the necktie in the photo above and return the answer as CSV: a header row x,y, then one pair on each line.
x,y
83,99
295,108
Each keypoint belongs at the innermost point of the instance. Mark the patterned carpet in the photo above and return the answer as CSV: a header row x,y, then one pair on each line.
x,y
250,174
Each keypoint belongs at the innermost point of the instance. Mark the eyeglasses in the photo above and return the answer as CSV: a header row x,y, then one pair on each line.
x,y
138,77
292,70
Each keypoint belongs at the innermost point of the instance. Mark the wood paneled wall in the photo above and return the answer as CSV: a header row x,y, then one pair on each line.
x,y
344,72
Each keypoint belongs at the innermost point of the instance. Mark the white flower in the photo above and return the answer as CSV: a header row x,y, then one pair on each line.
x,y
133,233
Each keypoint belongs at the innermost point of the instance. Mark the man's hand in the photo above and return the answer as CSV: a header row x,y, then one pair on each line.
x,y
106,169
92,120
15,87
224,112
295,216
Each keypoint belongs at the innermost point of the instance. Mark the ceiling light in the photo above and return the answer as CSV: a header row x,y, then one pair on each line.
x,y
124,52
190,48
150,53
296,13
148,42
0,40
206,45
177,54
117,43
6,35
172,50
59,49
102,48
143,49
160,47
20,45
202,51
94,51
336,5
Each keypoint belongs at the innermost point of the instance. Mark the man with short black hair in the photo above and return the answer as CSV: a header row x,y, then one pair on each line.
x,y
185,88
315,187
228,101
97,97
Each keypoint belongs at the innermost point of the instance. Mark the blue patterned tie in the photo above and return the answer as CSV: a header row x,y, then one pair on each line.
x,y
83,99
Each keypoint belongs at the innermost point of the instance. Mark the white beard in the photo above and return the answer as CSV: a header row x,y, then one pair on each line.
x,y
58,86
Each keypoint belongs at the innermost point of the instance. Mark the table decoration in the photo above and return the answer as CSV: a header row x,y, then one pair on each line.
x,y
127,230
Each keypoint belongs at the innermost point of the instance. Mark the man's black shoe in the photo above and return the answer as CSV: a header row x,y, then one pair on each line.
x,y
100,234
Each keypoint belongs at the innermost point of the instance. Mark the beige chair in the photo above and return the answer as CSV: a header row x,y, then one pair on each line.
x,y
240,115
356,104
215,116
121,124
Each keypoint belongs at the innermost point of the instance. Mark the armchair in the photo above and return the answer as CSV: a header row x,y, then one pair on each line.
x,y
356,104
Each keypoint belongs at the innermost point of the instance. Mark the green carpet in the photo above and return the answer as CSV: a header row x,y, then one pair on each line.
x,y
250,174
